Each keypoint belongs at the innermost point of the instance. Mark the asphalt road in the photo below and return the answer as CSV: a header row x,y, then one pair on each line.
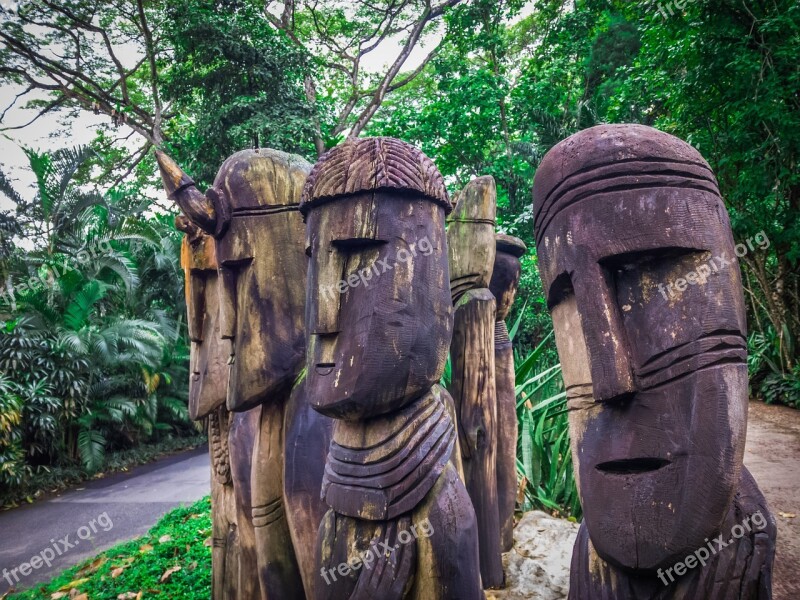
x,y
81,522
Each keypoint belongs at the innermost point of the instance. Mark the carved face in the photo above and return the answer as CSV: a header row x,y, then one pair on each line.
x,y
379,313
656,378
208,380
506,273
262,273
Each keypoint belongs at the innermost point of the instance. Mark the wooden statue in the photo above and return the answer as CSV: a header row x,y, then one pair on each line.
x,y
252,209
208,382
637,260
504,284
471,253
379,322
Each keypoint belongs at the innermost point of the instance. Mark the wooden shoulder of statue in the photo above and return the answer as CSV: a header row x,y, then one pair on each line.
x,y
656,374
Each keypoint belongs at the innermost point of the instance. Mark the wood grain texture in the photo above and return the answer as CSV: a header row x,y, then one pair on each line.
x,y
742,570
241,440
638,265
377,345
373,164
471,257
504,285
208,369
307,438
224,540
260,283
474,393
470,236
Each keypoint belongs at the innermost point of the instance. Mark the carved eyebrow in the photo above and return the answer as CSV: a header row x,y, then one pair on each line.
x,y
355,243
636,257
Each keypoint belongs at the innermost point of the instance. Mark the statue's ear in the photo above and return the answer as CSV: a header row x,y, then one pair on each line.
x,y
222,210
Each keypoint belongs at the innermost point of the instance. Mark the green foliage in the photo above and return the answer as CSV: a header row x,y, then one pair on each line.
x,y
92,339
235,83
720,74
544,460
183,556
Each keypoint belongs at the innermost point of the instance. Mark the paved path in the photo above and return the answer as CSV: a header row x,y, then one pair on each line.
x,y
772,454
106,512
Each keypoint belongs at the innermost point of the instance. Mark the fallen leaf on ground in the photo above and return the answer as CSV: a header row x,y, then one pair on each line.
x,y
786,515
54,596
168,573
81,597
92,566
117,572
164,538
130,596
73,584
145,548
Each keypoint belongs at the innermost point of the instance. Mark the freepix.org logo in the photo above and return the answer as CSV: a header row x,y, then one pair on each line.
x,y
58,547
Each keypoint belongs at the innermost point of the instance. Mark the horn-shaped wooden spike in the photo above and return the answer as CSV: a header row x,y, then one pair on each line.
x,y
181,189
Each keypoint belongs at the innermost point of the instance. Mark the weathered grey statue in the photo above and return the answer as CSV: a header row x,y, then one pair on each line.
x,y
252,210
379,322
504,284
471,254
208,383
656,383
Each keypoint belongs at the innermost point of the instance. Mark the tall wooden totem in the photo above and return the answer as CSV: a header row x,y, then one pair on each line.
x,y
656,383
379,322
208,384
504,284
471,254
252,211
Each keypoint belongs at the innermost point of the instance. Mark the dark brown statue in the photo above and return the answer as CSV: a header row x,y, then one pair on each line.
x,y
208,383
504,284
471,254
252,209
656,382
379,321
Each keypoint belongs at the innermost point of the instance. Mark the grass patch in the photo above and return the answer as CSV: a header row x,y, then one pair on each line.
x,y
173,561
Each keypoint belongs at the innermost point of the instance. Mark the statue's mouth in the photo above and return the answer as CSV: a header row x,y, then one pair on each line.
x,y
632,466
325,368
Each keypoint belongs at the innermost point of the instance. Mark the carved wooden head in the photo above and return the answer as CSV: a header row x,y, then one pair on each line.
x,y
470,236
637,260
263,272
208,378
252,209
506,272
379,314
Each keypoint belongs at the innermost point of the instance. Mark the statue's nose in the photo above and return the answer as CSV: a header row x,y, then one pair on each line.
x,y
605,336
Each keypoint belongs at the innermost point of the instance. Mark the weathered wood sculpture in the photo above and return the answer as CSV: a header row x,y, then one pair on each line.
x,y
504,284
656,382
471,254
379,321
252,209
208,383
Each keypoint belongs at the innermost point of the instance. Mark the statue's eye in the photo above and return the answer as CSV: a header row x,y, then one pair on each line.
x,y
351,245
